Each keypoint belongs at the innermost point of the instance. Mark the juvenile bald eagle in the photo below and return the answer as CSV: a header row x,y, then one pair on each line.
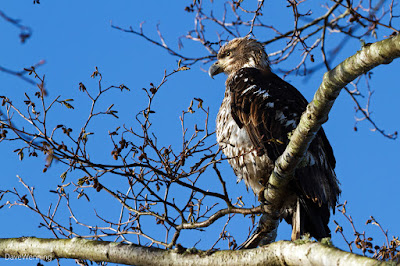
x,y
257,115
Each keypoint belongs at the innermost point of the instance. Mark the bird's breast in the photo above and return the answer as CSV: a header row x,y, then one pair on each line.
x,y
238,148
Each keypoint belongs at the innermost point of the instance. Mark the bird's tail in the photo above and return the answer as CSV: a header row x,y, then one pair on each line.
x,y
307,216
310,217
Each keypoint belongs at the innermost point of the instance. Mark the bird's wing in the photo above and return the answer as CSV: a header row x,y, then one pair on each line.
x,y
270,109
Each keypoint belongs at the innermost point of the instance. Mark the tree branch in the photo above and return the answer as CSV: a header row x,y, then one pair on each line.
x,y
278,253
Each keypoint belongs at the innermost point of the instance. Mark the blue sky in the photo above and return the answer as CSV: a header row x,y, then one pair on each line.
x,y
74,36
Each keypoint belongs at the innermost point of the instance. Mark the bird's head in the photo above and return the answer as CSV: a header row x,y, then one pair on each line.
x,y
237,54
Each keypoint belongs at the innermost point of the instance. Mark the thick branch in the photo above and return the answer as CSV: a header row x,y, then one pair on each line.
x,y
370,56
279,253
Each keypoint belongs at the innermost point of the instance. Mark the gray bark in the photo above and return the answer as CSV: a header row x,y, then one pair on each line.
x,y
278,253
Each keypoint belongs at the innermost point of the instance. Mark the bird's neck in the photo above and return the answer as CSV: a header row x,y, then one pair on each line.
x,y
263,68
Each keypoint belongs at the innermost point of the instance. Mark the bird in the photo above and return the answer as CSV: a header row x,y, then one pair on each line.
x,y
254,124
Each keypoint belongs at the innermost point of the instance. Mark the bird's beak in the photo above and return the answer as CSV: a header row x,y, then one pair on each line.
x,y
215,69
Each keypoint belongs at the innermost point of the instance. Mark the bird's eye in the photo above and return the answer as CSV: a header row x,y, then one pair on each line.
x,y
227,53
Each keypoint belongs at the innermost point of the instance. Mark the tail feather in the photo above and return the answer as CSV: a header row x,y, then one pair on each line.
x,y
316,218
297,229
309,217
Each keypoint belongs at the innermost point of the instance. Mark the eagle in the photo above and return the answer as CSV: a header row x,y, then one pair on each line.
x,y
253,127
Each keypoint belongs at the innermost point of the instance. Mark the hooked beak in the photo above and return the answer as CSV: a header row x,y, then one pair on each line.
x,y
215,69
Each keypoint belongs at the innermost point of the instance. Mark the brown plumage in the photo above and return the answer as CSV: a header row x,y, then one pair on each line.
x,y
257,115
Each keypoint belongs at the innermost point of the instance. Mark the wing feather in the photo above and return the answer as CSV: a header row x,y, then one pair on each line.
x,y
269,109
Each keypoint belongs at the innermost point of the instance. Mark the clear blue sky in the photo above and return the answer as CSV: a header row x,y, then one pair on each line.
x,y
75,36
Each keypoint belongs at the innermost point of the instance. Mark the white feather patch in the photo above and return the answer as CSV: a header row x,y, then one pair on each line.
x,y
250,63
249,89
